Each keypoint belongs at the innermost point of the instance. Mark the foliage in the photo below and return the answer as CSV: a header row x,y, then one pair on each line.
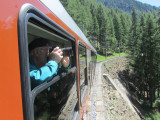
x,y
111,30
101,57
126,5
105,28
151,113
145,55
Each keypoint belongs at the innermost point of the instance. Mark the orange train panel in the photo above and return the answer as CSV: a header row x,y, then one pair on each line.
x,y
10,86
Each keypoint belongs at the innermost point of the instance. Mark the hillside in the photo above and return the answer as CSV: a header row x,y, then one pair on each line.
x,y
126,5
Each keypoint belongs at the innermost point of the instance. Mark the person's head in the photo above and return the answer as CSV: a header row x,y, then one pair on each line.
x,y
39,51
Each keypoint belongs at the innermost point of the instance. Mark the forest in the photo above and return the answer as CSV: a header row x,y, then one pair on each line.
x,y
112,30
127,5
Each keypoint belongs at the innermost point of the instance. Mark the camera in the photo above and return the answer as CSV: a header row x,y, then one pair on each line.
x,y
67,51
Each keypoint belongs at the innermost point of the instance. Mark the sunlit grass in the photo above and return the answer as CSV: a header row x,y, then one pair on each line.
x,y
100,57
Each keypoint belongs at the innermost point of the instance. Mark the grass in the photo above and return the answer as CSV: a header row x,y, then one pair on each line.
x,y
100,57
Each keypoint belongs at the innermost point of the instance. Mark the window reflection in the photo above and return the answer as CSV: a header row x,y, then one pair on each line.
x,y
89,69
93,64
58,101
83,68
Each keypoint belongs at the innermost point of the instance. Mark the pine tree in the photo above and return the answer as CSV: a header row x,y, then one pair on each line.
x,y
118,29
64,2
145,62
94,29
124,32
111,39
133,34
102,26
141,83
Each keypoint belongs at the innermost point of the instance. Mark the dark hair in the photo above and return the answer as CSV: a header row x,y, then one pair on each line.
x,y
39,42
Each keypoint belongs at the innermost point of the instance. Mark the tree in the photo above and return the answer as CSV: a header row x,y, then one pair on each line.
x,y
124,32
102,26
111,39
94,28
133,42
118,29
146,59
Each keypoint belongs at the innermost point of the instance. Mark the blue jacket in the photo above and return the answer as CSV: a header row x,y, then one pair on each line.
x,y
43,74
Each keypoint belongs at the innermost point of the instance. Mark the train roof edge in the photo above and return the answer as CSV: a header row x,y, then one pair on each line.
x,y
57,8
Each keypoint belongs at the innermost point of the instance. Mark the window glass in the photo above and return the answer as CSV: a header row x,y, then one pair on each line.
x,y
89,69
58,100
93,64
88,62
83,67
34,32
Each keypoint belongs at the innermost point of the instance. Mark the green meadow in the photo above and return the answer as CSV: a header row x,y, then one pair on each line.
x,y
101,57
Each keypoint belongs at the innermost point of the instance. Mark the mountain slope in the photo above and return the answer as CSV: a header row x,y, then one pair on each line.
x,y
127,5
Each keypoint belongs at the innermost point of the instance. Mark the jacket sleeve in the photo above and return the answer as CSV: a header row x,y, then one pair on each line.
x,y
44,73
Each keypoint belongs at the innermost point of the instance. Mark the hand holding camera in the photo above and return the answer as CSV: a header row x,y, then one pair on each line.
x,y
56,54
67,51
65,61
61,54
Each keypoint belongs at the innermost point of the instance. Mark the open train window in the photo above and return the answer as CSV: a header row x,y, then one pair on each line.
x,y
82,70
55,98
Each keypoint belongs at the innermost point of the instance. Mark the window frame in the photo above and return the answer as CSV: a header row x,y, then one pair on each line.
x,y
93,54
83,94
27,12
89,70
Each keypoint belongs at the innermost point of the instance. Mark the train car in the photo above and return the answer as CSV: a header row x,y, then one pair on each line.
x,y
63,97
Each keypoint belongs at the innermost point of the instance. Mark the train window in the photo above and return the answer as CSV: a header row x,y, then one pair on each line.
x,y
93,64
83,70
38,33
57,97
58,102
89,69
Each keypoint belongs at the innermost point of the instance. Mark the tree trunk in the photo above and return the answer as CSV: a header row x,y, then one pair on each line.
x,y
147,95
158,92
154,94
151,95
